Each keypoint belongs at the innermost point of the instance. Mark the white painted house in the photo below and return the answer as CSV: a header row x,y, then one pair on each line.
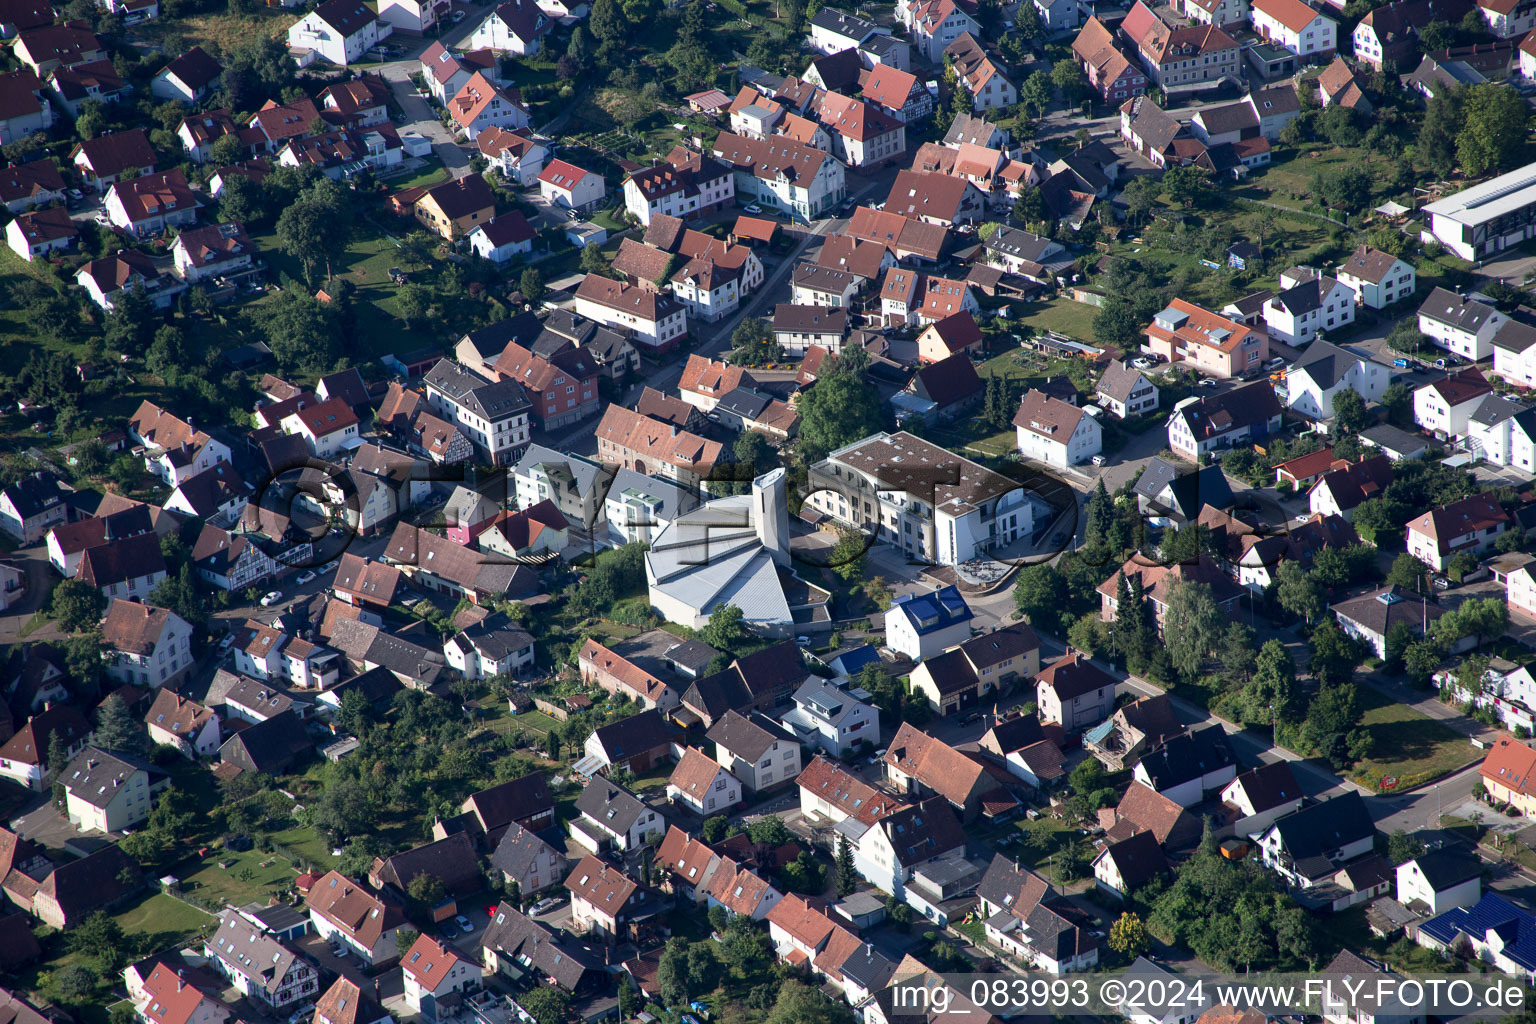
x,y
1056,432
1307,304
339,31
1377,278
1326,371
1460,324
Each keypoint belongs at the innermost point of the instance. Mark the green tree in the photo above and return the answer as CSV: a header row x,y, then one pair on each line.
x,y
546,1004
1186,186
118,729
847,877
1409,573
1335,655
798,1003
1492,135
1349,413
77,606
848,554
1115,324
1128,935
531,281
1036,92
1192,626
1237,653
753,452
672,980
1298,591
300,332
727,630
1029,205
1067,76
100,939
1040,593
345,808
426,889
1402,847
837,410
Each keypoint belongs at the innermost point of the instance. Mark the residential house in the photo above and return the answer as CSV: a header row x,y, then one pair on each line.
x,y
1338,84
481,104
1028,921
517,27
261,968
919,765
524,801
1370,616
638,743
984,79
187,78
272,747
346,1003
31,507
1242,415
51,46
493,414
1313,381
35,183
354,917
570,187
128,568
700,784
514,944
519,156
1142,809
1470,525
151,204
436,563
503,238
1390,33
455,207
1444,407
491,648
1179,54
755,750
608,904
1189,765
525,859
176,721
1124,391
437,976
987,664
657,320
1110,73
799,180
128,270
147,646
106,791
651,447
797,328
934,24
327,428
215,494
339,31
1460,324
214,251
1439,881
1254,800
1074,693
1144,724
1126,865
23,756
1482,928
1297,27
829,793
25,110
1156,583
1307,304
921,625
1307,847
831,719
900,849
363,101
652,669
1340,491
34,235
562,389
685,184
1055,432
1214,344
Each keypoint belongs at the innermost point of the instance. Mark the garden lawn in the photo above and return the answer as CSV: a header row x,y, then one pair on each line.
x,y
1410,747
536,721
1074,319
252,876
165,917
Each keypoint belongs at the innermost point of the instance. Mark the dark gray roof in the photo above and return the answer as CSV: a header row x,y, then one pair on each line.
x,y
923,831
495,638
1515,336
1188,756
1386,436
1022,244
1139,858
1449,308
1119,380
518,850
1000,645
748,403
490,400
1444,868
1315,831
1325,363
32,494
96,775
1270,785
633,735
610,804
1496,409
1381,609
518,937
489,341
748,737
850,25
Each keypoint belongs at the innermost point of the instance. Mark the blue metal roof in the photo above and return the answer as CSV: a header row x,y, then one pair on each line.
x,y
1514,926
854,660
930,613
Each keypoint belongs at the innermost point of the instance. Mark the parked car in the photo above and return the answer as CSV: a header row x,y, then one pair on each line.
x,y
752,208
272,598
545,905
464,923
1208,382
306,576
1099,460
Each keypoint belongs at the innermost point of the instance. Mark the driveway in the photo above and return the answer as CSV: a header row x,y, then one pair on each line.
x,y
41,580
420,118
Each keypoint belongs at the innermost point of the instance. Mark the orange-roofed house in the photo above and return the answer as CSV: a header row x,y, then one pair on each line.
x,y
617,674
898,93
1113,75
570,187
433,972
151,204
351,915
653,448
1296,26
828,792
657,319
686,863
327,428
701,785
482,104
1470,525
1185,332
1509,774
607,903
741,891
173,1000
952,334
